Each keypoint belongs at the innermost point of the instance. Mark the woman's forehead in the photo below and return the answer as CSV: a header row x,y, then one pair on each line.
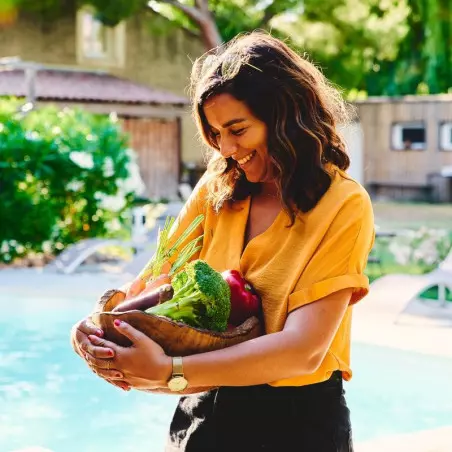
x,y
224,108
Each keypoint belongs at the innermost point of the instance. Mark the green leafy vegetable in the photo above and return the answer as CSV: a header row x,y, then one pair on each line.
x,y
202,298
163,252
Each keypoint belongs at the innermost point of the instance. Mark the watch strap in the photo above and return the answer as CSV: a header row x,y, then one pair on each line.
x,y
178,368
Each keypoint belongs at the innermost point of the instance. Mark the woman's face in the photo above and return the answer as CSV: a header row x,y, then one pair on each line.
x,y
240,136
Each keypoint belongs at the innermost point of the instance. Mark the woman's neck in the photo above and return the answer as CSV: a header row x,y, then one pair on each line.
x,y
269,189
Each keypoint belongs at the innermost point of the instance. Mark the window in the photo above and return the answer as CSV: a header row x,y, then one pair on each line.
x,y
445,136
408,136
97,44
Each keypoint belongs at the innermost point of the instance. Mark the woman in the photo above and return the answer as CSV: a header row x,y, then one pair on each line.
x,y
280,208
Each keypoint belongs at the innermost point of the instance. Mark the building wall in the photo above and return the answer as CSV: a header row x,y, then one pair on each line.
x,y
408,168
161,61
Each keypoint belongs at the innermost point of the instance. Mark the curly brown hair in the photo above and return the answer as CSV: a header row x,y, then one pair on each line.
x,y
300,108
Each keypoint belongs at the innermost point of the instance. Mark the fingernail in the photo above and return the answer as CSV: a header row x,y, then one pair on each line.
x,y
110,353
99,333
117,322
118,375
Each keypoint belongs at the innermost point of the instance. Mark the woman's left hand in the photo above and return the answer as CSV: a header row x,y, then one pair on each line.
x,y
143,365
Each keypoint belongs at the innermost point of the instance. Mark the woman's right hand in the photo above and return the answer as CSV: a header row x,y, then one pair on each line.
x,y
81,345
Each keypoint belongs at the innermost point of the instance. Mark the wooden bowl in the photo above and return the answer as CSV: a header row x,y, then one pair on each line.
x,y
176,338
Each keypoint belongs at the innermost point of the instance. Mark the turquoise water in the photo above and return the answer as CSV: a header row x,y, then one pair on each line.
x,y
49,398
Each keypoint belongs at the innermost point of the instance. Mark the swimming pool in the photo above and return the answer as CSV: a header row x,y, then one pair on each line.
x,y
48,398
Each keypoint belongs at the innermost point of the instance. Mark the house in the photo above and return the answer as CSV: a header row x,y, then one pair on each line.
x,y
129,69
402,147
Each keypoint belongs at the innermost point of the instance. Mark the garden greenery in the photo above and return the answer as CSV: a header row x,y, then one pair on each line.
x,y
65,175
424,247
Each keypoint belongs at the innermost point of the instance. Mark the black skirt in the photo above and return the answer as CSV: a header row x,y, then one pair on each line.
x,y
312,418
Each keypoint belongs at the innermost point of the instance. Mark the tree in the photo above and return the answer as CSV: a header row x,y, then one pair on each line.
x,y
350,39
378,46
424,62
216,20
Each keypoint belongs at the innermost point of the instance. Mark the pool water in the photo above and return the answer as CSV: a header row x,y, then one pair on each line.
x,y
49,398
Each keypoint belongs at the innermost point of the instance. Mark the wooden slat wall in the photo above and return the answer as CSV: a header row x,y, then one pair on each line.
x,y
157,143
383,165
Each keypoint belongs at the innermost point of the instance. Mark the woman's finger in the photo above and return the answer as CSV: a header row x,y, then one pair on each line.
x,y
130,332
102,343
109,375
121,384
79,341
104,368
87,327
99,352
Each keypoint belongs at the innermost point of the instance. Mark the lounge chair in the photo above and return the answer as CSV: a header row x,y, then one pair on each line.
x,y
397,297
75,255
409,287
141,245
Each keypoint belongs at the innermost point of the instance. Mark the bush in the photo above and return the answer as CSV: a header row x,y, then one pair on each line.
x,y
65,175
425,247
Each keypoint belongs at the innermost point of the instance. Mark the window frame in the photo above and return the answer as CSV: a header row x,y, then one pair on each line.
x,y
402,125
116,43
440,141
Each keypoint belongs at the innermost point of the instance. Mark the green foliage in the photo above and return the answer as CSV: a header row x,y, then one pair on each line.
x,y
63,177
112,12
378,47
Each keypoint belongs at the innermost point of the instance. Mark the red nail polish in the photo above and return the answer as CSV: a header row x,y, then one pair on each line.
x,y
99,333
110,353
117,322
118,375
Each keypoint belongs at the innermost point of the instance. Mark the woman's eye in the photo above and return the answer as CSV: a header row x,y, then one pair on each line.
x,y
238,132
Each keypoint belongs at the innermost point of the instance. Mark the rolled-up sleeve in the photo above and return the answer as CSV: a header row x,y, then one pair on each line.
x,y
341,257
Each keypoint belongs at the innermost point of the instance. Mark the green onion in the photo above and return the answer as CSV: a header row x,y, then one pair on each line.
x,y
154,267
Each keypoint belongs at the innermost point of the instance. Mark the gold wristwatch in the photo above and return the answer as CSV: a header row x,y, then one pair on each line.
x,y
177,382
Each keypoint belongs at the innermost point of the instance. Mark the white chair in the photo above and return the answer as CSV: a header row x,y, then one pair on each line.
x,y
75,255
397,296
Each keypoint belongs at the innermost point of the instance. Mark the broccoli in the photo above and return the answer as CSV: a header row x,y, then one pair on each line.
x,y
202,298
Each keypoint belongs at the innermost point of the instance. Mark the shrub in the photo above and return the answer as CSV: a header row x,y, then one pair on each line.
x,y
424,247
65,175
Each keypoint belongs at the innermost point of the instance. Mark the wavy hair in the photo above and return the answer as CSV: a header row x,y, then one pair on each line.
x,y
300,108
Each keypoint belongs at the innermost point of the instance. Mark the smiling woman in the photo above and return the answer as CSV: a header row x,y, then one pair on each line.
x,y
239,135
279,207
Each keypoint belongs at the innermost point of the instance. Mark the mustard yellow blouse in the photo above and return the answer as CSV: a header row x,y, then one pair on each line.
x,y
324,251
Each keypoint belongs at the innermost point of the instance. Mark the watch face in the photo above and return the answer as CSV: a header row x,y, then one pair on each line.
x,y
177,384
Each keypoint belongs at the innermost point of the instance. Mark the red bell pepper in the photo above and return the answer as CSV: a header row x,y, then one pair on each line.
x,y
245,302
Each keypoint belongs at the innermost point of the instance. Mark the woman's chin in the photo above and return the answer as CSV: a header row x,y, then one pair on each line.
x,y
253,177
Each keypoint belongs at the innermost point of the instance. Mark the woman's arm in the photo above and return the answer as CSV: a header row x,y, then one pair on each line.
x,y
298,349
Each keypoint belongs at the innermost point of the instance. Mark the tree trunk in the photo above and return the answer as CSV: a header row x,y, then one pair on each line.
x,y
210,34
203,18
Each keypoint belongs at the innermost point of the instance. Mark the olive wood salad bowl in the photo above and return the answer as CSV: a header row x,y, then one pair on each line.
x,y
176,338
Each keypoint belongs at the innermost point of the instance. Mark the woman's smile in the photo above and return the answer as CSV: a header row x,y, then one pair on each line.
x,y
244,161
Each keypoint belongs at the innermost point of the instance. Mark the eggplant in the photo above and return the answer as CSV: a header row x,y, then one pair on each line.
x,y
146,300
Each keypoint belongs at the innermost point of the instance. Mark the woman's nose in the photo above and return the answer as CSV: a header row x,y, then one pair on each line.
x,y
228,147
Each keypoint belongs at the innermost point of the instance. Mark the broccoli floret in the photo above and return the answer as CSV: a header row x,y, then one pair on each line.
x,y
179,280
202,298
